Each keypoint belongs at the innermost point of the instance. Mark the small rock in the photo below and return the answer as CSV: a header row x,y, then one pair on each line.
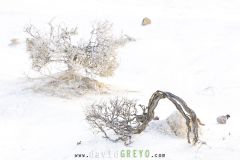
x,y
156,118
14,42
146,21
223,119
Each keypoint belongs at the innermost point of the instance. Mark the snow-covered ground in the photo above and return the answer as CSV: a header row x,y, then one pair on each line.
x,y
191,49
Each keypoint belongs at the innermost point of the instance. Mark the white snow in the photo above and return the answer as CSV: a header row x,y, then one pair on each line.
x,y
191,49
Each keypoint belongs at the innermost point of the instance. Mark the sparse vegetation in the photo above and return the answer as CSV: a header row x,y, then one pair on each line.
x,y
121,119
116,119
83,60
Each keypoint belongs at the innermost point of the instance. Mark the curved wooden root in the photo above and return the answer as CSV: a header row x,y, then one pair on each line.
x,y
180,104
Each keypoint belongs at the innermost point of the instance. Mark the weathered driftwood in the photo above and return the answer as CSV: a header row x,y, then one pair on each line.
x,y
121,116
187,113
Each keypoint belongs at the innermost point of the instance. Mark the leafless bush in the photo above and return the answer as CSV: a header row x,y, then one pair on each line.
x,y
117,117
94,57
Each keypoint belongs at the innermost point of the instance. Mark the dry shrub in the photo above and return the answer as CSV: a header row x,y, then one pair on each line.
x,y
96,57
116,119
